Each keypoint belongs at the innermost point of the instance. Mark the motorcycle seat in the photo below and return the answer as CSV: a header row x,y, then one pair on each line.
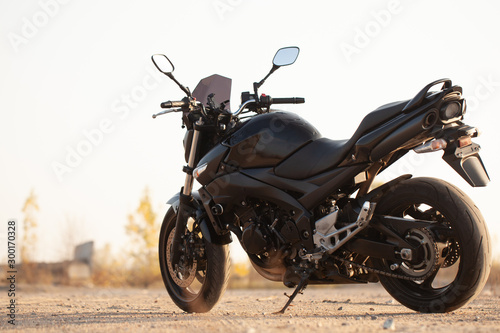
x,y
315,157
378,116
323,154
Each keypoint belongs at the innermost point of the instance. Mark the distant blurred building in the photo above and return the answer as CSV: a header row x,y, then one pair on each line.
x,y
77,271
80,268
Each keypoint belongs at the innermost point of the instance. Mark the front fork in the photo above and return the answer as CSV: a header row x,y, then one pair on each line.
x,y
185,199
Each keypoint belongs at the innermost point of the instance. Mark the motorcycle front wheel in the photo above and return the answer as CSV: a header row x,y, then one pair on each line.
x,y
202,274
454,249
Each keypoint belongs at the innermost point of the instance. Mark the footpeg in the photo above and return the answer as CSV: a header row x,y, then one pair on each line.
x,y
366,213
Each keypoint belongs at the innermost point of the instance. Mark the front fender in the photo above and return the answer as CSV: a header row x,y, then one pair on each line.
x,y
174,201
207,230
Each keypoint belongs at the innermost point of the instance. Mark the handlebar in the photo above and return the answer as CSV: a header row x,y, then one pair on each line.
x,y
243,106
264,101
174,104
177,106
268,100
288,100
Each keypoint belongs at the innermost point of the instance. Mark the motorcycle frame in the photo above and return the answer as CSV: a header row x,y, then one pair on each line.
x,y
374,150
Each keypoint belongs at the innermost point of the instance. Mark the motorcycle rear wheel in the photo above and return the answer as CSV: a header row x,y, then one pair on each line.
x,y
204,280
467,254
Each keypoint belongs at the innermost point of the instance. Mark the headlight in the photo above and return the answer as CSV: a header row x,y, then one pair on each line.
x,y
450,111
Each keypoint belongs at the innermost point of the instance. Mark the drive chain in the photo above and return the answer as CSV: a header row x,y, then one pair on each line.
x,y
381,272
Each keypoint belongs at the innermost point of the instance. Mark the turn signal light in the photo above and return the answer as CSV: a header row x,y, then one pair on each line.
x,y
431,146
199,170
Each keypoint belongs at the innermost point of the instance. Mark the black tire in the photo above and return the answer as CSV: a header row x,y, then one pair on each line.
x,y
209,282
470,256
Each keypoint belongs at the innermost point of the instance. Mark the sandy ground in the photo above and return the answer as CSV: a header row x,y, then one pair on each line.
x,y
344,308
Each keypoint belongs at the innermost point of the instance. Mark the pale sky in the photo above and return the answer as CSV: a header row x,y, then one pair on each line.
x,y
77,79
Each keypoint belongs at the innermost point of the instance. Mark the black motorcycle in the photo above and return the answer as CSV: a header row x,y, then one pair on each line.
x,y
303,207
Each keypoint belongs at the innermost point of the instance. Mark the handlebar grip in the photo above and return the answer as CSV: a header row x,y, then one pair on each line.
x,y
173,104
288,100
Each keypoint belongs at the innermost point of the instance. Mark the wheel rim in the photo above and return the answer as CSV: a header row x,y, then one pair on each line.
x,y
441,263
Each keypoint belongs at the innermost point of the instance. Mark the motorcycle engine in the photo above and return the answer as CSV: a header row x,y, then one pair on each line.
x,y
255,238
267,229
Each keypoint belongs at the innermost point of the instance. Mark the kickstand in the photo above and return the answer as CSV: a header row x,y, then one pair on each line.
x,y
301,286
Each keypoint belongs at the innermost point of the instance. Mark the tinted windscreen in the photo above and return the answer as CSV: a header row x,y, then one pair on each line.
x,y
216,84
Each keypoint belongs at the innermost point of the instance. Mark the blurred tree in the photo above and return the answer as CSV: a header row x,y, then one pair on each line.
x,y
143,231
28,244
109,269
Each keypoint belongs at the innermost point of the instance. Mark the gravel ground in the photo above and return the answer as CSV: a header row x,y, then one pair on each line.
x,y
346,308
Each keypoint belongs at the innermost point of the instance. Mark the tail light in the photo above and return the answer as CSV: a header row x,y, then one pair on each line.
x,y
452,111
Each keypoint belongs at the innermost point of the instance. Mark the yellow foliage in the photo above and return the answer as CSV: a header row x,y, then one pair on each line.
x,y
143,229
29,238
241,269
108,270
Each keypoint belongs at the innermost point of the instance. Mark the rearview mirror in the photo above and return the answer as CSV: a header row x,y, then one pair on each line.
x,y
163,64
286,56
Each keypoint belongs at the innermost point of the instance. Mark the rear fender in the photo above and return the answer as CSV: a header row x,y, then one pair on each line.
x,y
377,193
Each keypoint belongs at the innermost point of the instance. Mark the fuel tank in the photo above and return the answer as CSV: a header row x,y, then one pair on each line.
x,y
267,139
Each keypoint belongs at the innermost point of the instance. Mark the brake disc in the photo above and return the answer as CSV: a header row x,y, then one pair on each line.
x,y
453,254
183,276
